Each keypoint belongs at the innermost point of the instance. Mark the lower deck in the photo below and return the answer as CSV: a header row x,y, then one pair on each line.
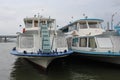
x,y
94,44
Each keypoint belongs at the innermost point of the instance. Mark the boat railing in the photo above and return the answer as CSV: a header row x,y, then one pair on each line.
x,y
40,53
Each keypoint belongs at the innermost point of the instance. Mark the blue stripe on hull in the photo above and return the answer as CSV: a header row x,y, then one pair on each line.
x,y
14,52
97,53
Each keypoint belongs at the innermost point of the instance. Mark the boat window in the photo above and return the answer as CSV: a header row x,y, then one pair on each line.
x,y
26,41
72,27
104,42
50,25
43,22
28,24
83,42
83,25
35,23
75,27
92,43
93,25
75,42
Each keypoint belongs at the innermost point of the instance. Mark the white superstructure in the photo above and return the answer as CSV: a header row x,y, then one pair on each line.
x,y
40,42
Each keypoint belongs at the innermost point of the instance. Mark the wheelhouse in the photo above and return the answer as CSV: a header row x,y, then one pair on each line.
x,y
83,24
36,22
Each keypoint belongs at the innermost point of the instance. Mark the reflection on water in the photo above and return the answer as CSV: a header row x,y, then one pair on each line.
x,y
22,70
69,68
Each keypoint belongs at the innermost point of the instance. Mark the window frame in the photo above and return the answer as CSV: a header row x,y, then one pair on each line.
x,y
89,42
81,42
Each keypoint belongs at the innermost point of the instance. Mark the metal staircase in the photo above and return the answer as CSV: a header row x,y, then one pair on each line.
x,y
45,38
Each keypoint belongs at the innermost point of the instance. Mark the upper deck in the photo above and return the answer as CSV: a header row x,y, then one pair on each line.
x,y
85,26
34,23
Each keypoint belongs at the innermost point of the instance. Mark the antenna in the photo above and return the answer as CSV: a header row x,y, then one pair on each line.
x,y
112,18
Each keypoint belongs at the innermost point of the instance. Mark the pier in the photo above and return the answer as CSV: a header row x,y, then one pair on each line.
x,y
4,38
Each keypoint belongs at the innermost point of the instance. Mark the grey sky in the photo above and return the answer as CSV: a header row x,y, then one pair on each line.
x,y
12,12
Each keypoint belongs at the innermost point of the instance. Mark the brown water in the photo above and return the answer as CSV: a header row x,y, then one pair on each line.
x,y
69,68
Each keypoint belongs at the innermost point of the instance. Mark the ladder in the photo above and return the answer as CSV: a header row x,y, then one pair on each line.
x,y
45,38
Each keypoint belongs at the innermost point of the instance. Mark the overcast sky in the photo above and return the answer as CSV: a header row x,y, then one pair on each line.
x,y
12,12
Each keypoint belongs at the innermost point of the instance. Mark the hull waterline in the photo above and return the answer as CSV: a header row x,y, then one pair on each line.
x,y
100,57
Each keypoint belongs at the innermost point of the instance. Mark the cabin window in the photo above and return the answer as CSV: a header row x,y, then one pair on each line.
x,y
51,25
35,23
43,22
104,42
70,28
83,25
26,41
92,25
83,42
92,43
74,27
75,42
29,24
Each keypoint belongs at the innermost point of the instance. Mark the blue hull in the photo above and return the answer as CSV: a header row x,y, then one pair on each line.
x,y
57,54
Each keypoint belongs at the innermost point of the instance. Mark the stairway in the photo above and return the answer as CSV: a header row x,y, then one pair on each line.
x,y
45,38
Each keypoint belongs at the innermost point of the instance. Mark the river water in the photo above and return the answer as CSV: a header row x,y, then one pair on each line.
x,y
69,68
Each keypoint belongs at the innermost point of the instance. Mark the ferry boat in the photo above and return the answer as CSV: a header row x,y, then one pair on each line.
x,y
86,37
40,42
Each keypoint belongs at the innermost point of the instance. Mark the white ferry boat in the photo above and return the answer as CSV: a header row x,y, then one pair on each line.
x,y
40,43
87,38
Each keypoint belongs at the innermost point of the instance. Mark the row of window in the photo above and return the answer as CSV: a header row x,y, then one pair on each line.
x,y
30,23
84,42
27,41
91,25
84,26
